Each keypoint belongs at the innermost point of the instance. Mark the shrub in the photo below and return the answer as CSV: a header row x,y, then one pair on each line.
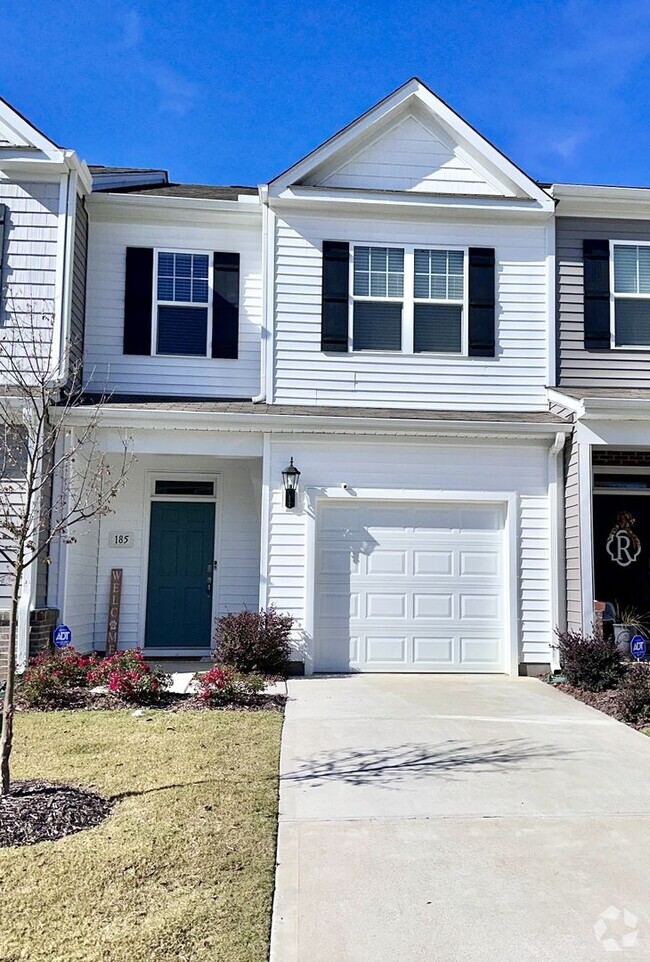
x,y
634,693
128,676
255,641
50,677
224,685
592,662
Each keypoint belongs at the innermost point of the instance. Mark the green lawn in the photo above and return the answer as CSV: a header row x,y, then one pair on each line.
x,y
182,870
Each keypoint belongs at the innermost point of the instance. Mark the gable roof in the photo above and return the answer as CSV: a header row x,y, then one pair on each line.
x,y
446,151
17,132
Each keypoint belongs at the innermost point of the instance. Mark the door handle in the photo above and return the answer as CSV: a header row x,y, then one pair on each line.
x,y
208,586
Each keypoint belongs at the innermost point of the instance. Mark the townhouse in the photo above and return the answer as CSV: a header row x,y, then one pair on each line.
x,y
602,386
348,397
43,241
380,317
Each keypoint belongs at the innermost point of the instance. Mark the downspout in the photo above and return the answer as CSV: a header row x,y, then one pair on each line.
x,y
266,299
558,568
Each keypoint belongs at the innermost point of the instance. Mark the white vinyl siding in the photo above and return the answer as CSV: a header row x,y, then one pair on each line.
x,y
91,559
411,156
630,270
515,379
105,360
519,467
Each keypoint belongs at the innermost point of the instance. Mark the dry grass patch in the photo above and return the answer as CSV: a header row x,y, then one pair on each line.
x,y
183,868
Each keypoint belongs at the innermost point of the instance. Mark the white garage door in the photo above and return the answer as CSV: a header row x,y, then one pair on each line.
x,y
409,587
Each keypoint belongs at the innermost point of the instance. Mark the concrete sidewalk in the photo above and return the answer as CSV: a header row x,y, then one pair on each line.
x,y
458,819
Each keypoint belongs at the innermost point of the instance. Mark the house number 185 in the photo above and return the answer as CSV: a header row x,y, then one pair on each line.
x,y
121,539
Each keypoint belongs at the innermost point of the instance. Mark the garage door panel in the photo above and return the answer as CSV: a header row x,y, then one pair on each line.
x,y
486,607
478,650
427,563
385,562
386,650
480,563
433,604
386,605
408,588
433,651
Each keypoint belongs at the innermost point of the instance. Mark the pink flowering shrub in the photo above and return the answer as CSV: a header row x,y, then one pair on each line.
x,y
224,685
128,676
50,677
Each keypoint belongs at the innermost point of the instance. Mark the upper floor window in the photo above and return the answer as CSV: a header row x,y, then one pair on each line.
x,y
631,294
182,306
409,299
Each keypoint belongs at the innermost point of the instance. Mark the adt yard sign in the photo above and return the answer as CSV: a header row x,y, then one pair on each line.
x,y
62,637
638,647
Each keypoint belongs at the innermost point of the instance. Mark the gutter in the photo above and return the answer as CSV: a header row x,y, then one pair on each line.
x,y
267,292
556,511
119,417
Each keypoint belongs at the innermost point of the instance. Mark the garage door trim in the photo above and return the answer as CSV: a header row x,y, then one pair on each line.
x,y
318,496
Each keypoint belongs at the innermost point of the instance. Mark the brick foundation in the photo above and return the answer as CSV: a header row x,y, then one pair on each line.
x,y
42,623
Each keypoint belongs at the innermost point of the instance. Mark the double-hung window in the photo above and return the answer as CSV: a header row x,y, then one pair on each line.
x,y
631,294
409,299
439,298
182,303
378,293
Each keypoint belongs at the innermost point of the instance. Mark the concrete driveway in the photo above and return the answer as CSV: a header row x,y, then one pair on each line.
x,y
440,818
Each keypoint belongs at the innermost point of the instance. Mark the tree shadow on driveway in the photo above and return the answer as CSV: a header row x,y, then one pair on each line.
x,y
391,766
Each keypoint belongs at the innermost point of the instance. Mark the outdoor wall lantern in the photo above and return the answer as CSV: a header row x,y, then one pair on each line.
x,y
290,478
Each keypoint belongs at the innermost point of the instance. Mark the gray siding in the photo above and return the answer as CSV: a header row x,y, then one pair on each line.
x,y
78,294
572,535
578,367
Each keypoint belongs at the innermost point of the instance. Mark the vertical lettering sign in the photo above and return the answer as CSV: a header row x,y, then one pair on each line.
x,y
114,603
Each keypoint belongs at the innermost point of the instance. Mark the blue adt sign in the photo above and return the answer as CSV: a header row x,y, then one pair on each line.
x,y
62,637
638,647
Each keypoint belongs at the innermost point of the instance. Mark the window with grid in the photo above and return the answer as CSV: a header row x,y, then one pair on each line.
x,y
438,298
378,295
631,295
182,303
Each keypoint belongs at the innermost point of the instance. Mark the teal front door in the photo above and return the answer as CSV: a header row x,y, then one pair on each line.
x,y
179,587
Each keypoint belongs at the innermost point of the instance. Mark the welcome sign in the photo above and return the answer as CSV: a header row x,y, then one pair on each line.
x,y
114,605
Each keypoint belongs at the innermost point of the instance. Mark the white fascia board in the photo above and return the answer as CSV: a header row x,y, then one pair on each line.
x,y
414,90
581,200
26,133
600,408
116,416
557,396
134,202
351,199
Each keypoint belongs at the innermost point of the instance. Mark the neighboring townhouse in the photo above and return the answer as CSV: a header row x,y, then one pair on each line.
x,y
603,386
43,233
379,317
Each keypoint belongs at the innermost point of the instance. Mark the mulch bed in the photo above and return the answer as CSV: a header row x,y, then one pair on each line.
x,y
35,812
82,699
605,701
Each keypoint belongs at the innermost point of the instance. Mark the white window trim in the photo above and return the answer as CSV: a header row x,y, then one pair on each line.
x,y
613,297
408,299
156,303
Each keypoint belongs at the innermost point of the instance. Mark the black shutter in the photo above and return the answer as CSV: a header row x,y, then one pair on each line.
x,y
481,319
596,272
225,306
138,298
336,285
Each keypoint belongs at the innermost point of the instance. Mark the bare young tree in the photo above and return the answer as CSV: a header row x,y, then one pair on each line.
x,y
40,453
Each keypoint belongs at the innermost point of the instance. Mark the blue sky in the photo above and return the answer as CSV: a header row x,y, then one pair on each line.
x,y
228,92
